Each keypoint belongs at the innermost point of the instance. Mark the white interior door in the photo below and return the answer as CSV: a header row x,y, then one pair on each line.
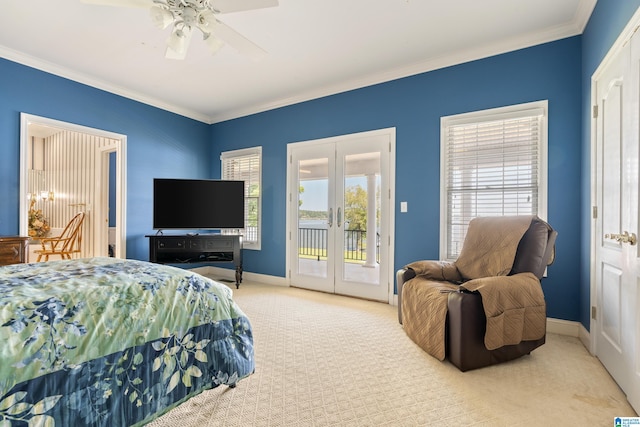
x,y
617,273
339,215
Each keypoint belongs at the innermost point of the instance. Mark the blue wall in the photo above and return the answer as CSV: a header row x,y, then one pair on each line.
x,y
165,144
159,143
414,106
607,21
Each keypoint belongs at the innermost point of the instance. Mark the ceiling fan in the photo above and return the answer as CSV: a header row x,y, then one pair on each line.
x,y
188,15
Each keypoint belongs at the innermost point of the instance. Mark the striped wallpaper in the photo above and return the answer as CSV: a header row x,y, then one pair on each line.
x,y
69,164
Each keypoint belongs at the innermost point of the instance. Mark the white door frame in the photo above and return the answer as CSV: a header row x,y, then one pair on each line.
x,y
391,132
121,176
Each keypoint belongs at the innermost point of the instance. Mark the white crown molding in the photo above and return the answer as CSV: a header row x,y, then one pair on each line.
x,y
583,14
51,68
550,34
573,28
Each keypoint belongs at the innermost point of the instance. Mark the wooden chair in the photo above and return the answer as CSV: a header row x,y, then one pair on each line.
x,y
67,243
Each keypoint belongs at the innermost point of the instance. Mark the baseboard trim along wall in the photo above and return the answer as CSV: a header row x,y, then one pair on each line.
x,y
554,326
572,329
585,337
563,327
228,274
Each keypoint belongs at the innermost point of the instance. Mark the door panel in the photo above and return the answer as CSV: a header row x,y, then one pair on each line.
x,y
312,217
617,325
611,291
612,110
338,215
363,171
609,255
631,186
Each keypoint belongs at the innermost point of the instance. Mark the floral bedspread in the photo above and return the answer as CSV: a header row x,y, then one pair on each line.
x,y
111,342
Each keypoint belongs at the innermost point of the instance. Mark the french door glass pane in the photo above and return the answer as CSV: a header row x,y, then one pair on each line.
x,y
361,219
313,217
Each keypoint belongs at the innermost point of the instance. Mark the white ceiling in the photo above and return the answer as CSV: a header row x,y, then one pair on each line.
x,y
315,47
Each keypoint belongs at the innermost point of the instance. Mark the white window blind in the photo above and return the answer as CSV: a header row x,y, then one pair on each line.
x,y
246,165
492,167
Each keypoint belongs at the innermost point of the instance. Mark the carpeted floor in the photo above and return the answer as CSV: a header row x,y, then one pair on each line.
x,y
327,360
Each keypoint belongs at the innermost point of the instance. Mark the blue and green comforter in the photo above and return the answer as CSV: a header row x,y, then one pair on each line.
x,y
111,342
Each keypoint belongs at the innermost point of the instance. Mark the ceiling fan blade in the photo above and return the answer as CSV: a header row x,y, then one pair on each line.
x,y
121,3
238,41
229,6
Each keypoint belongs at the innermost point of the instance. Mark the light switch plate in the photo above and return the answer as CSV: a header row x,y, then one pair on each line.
x,y
403,206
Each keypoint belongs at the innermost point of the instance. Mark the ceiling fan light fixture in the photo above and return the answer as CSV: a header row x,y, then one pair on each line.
x,y
213,43
188,15
178,42
206,19
160,17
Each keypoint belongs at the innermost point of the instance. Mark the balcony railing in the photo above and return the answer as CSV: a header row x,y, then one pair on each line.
x,y
312,242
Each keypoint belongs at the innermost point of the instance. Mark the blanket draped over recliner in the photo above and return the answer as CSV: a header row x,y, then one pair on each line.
x,y
514,305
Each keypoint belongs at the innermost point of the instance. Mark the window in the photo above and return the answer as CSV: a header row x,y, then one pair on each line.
x,y
246,165
493,163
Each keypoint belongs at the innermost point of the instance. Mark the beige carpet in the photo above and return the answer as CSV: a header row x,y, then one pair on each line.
x,y
326,360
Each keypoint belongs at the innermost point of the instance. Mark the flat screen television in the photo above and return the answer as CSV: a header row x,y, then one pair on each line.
x,y
197,204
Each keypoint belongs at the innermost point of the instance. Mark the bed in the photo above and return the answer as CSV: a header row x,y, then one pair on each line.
x,y
112,342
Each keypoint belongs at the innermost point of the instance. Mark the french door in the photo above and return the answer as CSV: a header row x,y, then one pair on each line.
x,y
617,255
339,214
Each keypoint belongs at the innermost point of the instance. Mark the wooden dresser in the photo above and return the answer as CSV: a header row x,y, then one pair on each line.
x,y
14,250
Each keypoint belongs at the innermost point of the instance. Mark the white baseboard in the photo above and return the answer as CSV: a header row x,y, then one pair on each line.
x,y
230,274
563,327
569,328
266,279
585,338
554,326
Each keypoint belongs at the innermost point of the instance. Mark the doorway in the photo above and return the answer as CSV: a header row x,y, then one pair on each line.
x,y
339,214
83,188
615,294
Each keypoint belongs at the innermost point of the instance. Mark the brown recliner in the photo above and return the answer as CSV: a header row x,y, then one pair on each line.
x,y
466,322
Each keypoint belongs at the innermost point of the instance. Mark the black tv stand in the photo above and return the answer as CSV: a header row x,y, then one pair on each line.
x,y
197,248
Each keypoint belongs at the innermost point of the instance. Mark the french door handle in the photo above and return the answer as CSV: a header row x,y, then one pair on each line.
x,y
330,217
339,217
623,238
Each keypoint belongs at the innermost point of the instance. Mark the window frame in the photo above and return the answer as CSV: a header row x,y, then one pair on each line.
x,y
226,156
489,115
